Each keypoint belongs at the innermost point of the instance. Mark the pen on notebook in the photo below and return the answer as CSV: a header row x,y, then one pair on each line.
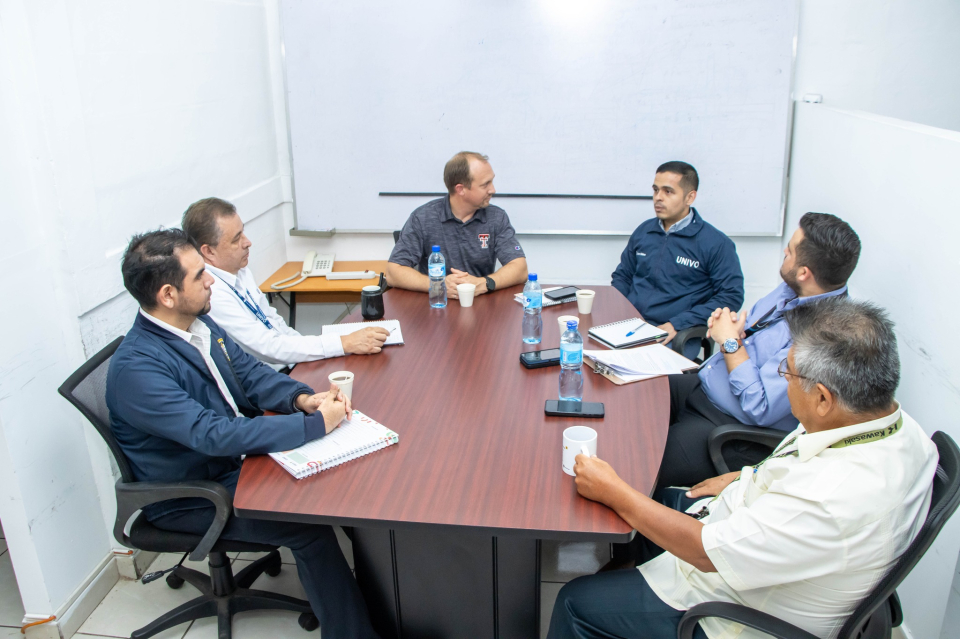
x,y
636,328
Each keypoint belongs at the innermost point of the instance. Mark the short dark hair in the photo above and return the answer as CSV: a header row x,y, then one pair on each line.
x,y
848,346
457,170
689,179
830,249
200,220
151,261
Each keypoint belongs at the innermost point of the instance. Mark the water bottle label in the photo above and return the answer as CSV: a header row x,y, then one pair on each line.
x,y
437,270
571,356
532,302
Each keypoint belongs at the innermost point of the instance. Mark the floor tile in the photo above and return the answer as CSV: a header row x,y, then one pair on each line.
x,y
11,606
276,624
131,604
548,595
561,561
10,633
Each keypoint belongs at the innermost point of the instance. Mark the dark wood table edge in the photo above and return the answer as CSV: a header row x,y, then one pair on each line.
x,y
529,533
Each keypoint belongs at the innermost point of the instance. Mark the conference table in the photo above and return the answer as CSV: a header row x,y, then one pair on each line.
x,y
446,524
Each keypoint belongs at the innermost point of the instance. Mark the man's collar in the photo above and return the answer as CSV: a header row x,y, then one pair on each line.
x,y
196,328
691,219
447,213
226,276
789,304
812,444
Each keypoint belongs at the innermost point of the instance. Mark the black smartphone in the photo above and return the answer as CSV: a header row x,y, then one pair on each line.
x,y
540,359
573,409
561,293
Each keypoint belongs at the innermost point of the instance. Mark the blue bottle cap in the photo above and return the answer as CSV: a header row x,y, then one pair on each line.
x,y
436,248
571,325
532,277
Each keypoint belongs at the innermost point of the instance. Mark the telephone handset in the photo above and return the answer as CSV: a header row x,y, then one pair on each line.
x,y
313,266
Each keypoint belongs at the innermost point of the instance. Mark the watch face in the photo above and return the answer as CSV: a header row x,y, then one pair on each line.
x,y
730,346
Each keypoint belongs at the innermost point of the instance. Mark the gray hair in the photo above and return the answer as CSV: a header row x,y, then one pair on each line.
x,y
849,347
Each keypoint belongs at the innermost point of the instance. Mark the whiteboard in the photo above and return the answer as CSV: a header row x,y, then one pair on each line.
x,y
564,96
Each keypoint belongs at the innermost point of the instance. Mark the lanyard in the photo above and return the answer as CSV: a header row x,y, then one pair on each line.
x,y
853,440
763,322
253,308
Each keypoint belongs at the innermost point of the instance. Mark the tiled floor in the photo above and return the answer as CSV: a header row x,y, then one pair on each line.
x,y
11,607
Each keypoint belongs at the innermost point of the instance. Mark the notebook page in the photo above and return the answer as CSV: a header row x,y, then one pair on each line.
x,y
649,361
616,333
396,335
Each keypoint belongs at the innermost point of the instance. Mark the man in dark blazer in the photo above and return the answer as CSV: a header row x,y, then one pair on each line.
x,y
186,402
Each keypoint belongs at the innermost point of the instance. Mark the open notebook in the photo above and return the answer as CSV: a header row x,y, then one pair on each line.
x,y
625,333
635,364
396,337
355,437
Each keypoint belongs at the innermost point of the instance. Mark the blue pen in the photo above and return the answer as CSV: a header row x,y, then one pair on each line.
x,y
636,328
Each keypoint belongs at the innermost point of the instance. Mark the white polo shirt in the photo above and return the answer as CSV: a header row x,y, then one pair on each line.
x,y
277,344
808,535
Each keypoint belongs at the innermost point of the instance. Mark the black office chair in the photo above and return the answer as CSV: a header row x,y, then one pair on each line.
x,y
693,333
222,593
880,612
768,438
396,236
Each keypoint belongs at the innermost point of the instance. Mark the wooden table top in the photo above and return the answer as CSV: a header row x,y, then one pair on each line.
x,y
476,449
321,284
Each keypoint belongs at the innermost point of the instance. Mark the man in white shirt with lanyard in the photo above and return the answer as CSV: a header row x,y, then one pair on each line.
x,y
238,305
804,535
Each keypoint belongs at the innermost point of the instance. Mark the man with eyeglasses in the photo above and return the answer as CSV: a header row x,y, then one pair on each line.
x,y
805,534
740,384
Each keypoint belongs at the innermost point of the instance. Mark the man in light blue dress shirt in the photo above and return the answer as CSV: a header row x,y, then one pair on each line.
x,y
740,383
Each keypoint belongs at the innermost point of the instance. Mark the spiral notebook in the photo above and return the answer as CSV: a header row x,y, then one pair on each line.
x,y
355,437
615,334
396,336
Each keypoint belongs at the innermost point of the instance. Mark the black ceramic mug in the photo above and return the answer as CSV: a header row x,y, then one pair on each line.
x,y
371,302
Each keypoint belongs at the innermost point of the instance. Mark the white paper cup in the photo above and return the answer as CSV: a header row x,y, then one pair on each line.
x,y
465,293
574,438
563,319
585,301
343,379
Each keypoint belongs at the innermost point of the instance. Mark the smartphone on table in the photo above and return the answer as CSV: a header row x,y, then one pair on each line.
x,y
573,409
567,292
540,359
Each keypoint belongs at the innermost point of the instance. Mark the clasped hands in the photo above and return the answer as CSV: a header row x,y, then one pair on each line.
x,y
333,405
456,276
724,324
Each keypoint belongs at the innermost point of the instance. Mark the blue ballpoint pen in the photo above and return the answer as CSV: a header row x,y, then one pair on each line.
x,y
636,328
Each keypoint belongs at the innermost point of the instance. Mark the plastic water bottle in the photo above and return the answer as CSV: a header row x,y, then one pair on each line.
x,y
437,270
532,306
571,361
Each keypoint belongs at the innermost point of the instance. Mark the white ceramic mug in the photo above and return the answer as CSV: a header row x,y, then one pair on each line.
x,y
465,292
585,301
343,379
574,439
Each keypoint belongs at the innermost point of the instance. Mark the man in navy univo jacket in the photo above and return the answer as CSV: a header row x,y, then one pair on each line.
x,y
185,402
677,269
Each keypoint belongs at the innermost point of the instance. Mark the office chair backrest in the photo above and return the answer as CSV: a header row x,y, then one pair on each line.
x,y
946,496
396,236
87,390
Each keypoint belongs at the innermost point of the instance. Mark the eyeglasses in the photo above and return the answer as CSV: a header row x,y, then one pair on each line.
x,y
783,372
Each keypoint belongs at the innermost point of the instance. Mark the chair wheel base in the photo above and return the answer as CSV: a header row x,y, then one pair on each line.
x,y
308,621
174,581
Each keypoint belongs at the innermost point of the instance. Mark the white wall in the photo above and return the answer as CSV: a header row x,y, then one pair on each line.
x,y
909,261
895,57
114,116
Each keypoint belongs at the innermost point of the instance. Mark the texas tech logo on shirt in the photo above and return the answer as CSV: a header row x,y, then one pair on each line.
x,y
484,238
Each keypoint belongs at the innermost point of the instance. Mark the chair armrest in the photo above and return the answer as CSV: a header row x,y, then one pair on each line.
x,y
133,496
698,333
739,614
739,432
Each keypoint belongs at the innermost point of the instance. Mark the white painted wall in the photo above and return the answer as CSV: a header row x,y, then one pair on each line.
x,y
895,57
908,264
114,116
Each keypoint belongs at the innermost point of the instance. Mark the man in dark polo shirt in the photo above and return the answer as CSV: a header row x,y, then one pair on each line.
x,y
472,234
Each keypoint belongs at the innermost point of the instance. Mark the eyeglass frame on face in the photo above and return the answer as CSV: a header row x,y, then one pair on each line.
x,y
783,372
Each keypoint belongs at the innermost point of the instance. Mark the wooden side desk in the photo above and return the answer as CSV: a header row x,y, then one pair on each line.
x,y
447,523
319,290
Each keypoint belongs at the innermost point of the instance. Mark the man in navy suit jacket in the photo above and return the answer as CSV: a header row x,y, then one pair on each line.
x,y
185,402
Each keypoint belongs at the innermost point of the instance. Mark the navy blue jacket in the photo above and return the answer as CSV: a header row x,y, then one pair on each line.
x,y
680,277
172,422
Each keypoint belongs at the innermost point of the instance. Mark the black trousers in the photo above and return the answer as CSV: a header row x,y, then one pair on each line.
x,y
686,460
618,603
324,573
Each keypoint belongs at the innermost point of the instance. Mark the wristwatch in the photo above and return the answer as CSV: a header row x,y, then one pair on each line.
x,y
731,346
491,284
